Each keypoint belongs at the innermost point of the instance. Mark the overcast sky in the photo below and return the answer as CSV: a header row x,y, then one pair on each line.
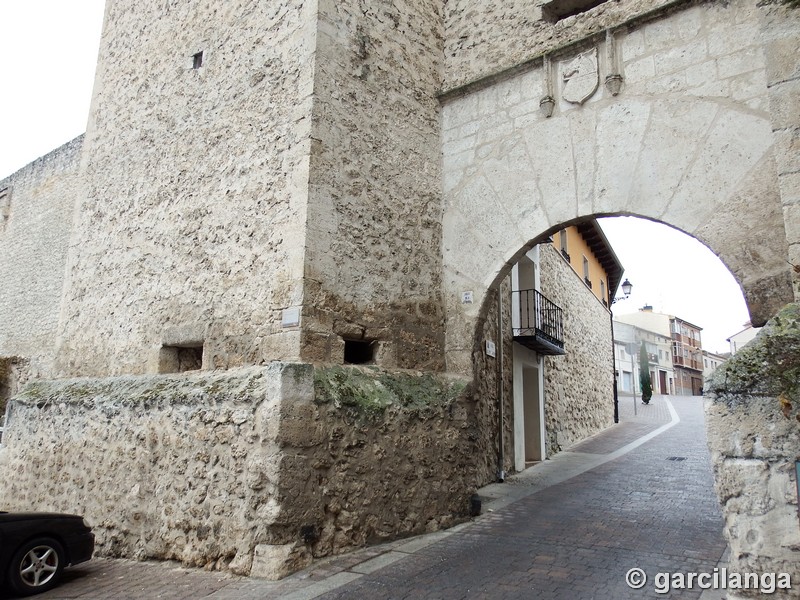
x,y
48,53
677,275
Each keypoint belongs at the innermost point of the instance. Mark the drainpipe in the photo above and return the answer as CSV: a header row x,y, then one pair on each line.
x,y
501,474
614,363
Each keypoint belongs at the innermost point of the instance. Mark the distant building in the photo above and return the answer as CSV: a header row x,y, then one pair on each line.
x,y
711,361
686,347
627,341
737,340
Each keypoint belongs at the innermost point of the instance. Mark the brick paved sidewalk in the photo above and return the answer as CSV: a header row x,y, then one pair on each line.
x,y
631,409
568,528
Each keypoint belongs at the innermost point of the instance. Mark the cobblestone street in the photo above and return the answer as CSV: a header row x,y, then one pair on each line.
x,y
637,495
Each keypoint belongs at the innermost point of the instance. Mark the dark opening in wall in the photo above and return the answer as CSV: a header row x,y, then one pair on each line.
x,y
197,60
179,359
556,10
5,390
12,373
358,352
5,207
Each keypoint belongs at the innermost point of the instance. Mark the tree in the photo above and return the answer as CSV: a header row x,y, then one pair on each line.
x,y
644,375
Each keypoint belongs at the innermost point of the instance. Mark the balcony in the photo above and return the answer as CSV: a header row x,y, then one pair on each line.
x,y
537,323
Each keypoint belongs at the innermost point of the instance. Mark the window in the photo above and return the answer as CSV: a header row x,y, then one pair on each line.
x,y
179,359
358,352
562,237
586,272
197,60
603,290
555,10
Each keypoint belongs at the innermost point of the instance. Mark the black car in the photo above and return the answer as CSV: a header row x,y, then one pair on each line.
x,y
35,548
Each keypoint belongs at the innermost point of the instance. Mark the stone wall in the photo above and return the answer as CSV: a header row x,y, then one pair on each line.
x,y
485,37
373,267
192,226
256,470
486,395
754,436
579,386
780,32
692,120
35,222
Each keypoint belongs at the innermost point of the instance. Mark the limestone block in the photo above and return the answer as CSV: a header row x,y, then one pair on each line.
x,y
620,129
513,181
743,61
748,86
550,150
637,71
701,74
680,57
659,35
782,42
632,45
667,150
787,157
784,104
582,127
791,219
725,156
464,234
276,561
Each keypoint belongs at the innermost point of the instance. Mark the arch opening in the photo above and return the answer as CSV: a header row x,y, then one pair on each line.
x,y
545,393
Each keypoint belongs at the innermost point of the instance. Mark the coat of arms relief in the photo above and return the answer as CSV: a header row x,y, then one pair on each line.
x,y
581,77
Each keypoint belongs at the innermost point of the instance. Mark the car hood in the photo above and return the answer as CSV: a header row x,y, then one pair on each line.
x,y
8,517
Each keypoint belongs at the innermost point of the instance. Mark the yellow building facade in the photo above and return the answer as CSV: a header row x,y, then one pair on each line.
x,y
589,253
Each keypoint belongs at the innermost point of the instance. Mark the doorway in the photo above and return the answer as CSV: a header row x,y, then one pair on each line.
x,y
529,435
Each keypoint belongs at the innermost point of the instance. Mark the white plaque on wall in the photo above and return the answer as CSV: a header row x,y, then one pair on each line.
x,y
290,317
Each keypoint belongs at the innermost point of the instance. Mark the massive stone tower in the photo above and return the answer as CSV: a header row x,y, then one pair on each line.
x,y
261,184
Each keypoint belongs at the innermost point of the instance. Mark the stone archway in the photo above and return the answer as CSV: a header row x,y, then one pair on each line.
x,y
700,162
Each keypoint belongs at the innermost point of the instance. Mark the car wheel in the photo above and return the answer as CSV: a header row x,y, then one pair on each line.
x,y
36,566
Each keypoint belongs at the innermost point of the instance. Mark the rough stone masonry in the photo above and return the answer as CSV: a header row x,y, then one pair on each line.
x,y
263,189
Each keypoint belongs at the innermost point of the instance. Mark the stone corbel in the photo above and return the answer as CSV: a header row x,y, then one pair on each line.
x,y
614,78
547,103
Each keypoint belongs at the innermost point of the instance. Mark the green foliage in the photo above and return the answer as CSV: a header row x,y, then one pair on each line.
x,y
768,366
369,392
644,375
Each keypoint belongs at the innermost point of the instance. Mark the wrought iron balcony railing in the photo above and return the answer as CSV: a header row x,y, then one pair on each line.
x,y
537,322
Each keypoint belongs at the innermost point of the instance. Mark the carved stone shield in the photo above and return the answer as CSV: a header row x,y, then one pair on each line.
x,y
580,77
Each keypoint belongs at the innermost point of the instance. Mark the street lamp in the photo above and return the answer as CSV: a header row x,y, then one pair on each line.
x,y
627,286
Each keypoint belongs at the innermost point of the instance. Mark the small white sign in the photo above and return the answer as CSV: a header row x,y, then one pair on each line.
x,y
490,349
290,317
466,297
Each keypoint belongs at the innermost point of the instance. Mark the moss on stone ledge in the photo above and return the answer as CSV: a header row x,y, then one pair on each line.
x,y
369,391
767,366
